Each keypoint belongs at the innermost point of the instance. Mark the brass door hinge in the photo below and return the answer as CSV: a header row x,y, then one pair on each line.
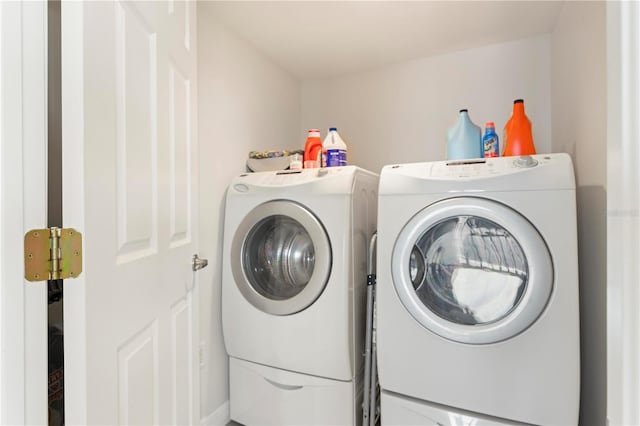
x,y
52,254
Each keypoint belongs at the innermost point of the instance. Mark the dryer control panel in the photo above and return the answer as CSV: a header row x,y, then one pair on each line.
x,y
522,173
486,166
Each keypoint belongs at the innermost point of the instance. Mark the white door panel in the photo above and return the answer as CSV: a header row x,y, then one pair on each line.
x,y
23,206
129,132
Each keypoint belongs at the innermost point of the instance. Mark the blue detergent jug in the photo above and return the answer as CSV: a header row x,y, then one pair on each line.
x,y
464,139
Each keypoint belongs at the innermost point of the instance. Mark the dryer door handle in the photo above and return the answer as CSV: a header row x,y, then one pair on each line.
x,y
283,386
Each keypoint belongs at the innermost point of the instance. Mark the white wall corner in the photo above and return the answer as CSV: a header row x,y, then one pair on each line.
x,y
220,417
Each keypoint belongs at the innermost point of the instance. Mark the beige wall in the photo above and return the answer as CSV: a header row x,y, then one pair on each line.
x,y
244,103
579,118
400,113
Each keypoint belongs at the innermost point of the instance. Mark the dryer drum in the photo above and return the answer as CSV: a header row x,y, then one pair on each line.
x,y
472,270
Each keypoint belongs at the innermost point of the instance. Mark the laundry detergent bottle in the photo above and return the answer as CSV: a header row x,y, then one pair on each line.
x,y
312,149
490,143
464,139
334,150
518,137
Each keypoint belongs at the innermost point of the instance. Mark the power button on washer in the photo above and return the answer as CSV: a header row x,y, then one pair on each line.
x,y
525,161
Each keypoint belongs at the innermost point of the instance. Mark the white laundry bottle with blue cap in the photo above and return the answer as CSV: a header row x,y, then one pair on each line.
x,y
334,150
464,139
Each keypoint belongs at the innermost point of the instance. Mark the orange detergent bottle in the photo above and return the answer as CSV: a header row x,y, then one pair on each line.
x,y
313,149
518,138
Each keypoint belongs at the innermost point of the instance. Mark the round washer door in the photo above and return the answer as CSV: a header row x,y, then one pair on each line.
x,y
472,270
280,257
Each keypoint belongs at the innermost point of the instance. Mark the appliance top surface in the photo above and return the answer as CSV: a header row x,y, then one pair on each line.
x,y
521,173
341,176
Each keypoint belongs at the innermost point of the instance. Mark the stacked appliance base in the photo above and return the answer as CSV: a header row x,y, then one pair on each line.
x,y
402,410
256,390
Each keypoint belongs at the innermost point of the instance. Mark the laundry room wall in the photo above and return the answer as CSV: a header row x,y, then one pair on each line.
x,y
245,103
579,126
400,113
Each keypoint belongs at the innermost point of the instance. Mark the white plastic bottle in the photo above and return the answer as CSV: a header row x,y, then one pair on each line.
x,y
334,150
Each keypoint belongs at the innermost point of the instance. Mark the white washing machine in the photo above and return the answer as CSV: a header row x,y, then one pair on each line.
x,y
478,292
294,293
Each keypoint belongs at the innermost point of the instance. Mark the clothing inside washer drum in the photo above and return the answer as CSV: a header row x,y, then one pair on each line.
x,y
468,270
278,257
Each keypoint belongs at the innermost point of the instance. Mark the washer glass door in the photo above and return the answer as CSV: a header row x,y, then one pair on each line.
x,y
281,257
472,270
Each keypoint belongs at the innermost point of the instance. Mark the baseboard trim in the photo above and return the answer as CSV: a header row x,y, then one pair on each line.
x,y
220,417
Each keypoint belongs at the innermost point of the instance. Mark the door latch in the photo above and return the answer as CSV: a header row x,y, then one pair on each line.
x,y
197,263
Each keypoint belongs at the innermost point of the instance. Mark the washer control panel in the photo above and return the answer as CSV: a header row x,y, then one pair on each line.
x,y
286,177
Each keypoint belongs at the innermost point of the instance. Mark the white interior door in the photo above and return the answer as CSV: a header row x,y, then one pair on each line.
x,y
130,186
23,206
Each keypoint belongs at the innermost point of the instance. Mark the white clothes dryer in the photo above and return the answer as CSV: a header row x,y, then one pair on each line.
x,y
294,292
477,295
